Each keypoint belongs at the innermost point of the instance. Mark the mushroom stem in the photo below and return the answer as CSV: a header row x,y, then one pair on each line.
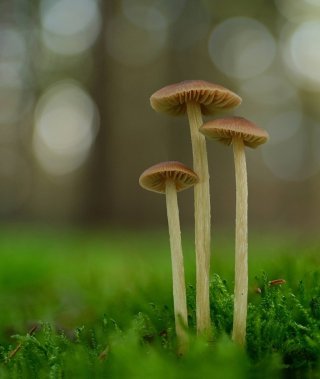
x,y
179,287
202,219
241,244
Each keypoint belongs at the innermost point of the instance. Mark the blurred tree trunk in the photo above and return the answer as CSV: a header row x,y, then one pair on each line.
x,y
98,199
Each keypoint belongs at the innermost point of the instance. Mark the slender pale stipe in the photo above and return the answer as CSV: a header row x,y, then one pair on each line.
x,y
179,287
202,219
241,248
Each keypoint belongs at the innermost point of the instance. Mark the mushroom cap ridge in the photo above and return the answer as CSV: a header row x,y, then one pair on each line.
x,y
154,178
212,97
225,129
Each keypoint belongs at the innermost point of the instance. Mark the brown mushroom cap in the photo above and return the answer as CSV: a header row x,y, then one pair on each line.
x,y
172,99
155,177
224,129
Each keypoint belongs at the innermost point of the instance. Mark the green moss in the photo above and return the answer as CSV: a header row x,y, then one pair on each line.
x,y
103,308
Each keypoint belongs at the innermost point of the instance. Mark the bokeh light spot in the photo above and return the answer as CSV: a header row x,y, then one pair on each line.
x,y
241,47
302,54
314,3
12,44
298,10
70,26
16,95
144,16
65,127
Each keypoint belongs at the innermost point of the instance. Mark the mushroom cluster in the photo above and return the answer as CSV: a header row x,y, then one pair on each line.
x,y
196,98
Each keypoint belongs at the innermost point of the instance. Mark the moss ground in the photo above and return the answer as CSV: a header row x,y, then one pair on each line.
x,y
99,304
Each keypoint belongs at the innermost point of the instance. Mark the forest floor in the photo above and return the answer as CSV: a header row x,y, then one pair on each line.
x,y
98,304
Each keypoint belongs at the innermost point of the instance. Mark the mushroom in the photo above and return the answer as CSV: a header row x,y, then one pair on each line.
x,y
170,178
240,133
197,97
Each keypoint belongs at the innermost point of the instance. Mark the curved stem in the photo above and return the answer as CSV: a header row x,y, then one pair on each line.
x,y
179,287
241,248
202,219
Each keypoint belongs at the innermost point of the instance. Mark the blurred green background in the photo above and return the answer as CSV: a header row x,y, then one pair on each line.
x,y
76,127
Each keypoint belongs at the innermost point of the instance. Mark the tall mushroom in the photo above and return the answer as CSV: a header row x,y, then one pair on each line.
x,y
240,133
170,178
197,97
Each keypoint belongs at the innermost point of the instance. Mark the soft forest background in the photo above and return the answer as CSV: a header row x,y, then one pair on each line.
x,y
85,275
76,127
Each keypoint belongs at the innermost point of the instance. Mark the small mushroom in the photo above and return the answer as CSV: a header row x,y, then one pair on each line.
x,y
197,97
240,133
170,178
